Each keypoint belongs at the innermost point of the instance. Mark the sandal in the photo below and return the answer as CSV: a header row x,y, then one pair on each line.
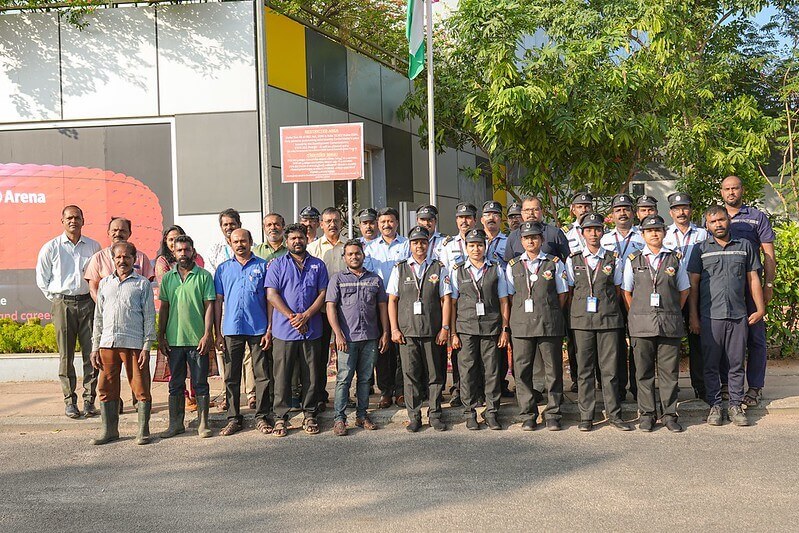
x,y
752,397
234,426
264,426
365,423
280,429
310,426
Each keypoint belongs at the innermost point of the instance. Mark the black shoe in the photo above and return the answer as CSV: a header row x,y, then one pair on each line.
x,y
553,424
456,401
573,388
585,425
672,425
414,426
492,423
620,424
507,393
529,424
647,424
437,424
89,411
72,411
471,423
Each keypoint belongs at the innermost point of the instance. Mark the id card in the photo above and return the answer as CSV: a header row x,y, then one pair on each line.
x,y
654,300
528,305
480,308
591,304
417,307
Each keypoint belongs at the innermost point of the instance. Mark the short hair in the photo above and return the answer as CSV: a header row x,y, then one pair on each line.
x,y
278,215
532,198
242,229
123,219
386,211
129,245
330,211
715,209
184,239
296,228
353,242
63,211
230,213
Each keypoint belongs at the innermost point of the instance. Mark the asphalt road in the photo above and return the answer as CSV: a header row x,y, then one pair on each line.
x,y
708,479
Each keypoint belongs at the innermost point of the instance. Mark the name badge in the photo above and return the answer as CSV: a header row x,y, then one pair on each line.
x,y
591,304
417,308
480,307
654,300
528,305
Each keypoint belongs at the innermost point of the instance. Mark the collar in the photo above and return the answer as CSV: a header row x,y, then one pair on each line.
x,y
732,240
673,227
65,239
600,254
615,231
412,261
540,257
499,236
275,249
133,275
469,264
382,240
647,251
325,240
252,258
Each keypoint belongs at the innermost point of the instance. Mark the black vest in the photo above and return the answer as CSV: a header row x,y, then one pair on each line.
x,y
428,324
468,322
665,320
608,315
547,318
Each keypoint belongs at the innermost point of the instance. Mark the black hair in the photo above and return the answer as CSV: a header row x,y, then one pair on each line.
x,y
230,213
164,250
296,228
123,219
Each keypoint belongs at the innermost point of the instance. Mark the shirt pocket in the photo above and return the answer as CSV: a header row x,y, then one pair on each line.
x,y
370,296
713,265
737,265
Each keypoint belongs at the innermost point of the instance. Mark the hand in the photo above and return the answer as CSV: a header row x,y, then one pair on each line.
x,y
456,342
397,336
693,324
96,362
443,337
382,343
144,358
756,317
163,347
303,330
504,340
768,294
266,340
205,345
341,342
297,320
220,343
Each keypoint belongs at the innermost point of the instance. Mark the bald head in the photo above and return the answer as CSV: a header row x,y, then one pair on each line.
x,y
732,191
241,242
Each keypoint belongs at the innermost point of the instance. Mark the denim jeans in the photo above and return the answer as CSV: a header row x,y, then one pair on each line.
x,y
359,359
179,357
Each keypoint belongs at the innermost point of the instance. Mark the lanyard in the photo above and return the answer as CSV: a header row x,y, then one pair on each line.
x,y
431,246
686,242
626,241
419,280
654,273
483,269
527,275
596,273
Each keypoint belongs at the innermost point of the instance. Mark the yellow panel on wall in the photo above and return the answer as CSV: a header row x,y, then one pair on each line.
x,y
285,53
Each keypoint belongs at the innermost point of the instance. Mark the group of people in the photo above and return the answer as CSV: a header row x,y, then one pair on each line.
x,y
403,307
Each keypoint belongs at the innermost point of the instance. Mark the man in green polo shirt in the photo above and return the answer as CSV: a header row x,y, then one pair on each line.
x,y
275,244
185,334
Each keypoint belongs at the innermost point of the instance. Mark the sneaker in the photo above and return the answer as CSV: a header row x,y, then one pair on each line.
x,y
715,417
553,424
738,416
647,423
72,411
339,428
672,425
89,411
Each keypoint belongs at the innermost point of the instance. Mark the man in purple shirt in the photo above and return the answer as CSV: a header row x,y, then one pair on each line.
x,y
295,287
753,225
356,296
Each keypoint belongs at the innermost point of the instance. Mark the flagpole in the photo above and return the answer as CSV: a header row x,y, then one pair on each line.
x,y
431,138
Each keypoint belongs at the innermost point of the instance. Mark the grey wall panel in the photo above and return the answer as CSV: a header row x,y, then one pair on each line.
x,y
487,183
421,167
469,190
326,63
399,167
30,85
206,55
218,164
285,109
447,168
446,217
372,131
323,114
363,78
395,88
109,69
379,178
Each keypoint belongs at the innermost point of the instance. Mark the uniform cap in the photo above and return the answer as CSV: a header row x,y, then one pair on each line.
x,y
583,198
476,235
653,222
530,228
368,214
515,209
465,209
427,211
592,220
622,200
646,201
418,232
492,207
679,198
309,211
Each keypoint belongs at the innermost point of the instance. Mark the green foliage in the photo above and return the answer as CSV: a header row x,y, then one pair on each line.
x,y
783,310
27,337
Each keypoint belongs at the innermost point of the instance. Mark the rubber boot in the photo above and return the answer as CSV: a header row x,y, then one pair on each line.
x,y
202,416
144,422
109,417
177,412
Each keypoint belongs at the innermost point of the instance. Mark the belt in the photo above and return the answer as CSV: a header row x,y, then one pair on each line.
x,y
73,297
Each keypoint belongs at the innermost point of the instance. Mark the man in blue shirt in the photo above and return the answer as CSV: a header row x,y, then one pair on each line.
x,y
296,285
240,291
753,225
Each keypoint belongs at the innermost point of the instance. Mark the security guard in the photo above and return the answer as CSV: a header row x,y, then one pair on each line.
x,y
419,311
582,203
645,206
594,278
656,287
480,314
514,216
309,217
537,322
367,223
452,252
427,217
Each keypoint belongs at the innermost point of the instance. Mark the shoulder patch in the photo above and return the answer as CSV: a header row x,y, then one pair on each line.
x,y
678,254
447,240
575,254
456,266
634,255
513,261
440,264
398,263
615,255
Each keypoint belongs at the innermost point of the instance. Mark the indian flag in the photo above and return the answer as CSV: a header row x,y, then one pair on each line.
x,y
414,31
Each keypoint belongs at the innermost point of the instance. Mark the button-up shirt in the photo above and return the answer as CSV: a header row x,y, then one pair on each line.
x,y
627,283
102,265
298,289
753,225
124,316
220,252
555,243
452,251
331,254
266,252
61,265
723,276
684,243
357,298
534,268
382,256
495,249
477,275
434,248
613,241
575,237
243,289
592,260
419,269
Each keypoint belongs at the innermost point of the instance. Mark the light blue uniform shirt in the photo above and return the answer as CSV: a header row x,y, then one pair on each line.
x,y
502,283
533,267
443,286
627,284
592,260
684,242
382,256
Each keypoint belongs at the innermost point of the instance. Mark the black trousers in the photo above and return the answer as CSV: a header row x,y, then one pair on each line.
x,y
661,354
597,350
695,363
389,372
286,356
324,361
551,349
421,365
478,363
625,372
262,372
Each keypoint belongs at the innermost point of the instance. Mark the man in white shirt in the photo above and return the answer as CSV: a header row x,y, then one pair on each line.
x,y
229,220
59,274
582,203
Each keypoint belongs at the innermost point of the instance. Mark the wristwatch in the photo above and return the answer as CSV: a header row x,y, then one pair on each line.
x,y
445,327
506,329
770,285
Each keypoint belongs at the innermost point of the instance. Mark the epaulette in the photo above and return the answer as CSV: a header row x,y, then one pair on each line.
x,y
615,254
398,263
458,264
267,263
513,261
634,255
440,263
553,258
575,254
446,240
678,254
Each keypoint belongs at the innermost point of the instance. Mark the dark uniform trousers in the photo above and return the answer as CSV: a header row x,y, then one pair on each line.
x,y
324,361
478,363
286,356
551,350
597,349
724,349
389,371
663,354
625,369
695,365
571,347
73,318
421,364
261,369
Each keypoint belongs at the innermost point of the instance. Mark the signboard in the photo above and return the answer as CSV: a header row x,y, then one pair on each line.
x,y
325,152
